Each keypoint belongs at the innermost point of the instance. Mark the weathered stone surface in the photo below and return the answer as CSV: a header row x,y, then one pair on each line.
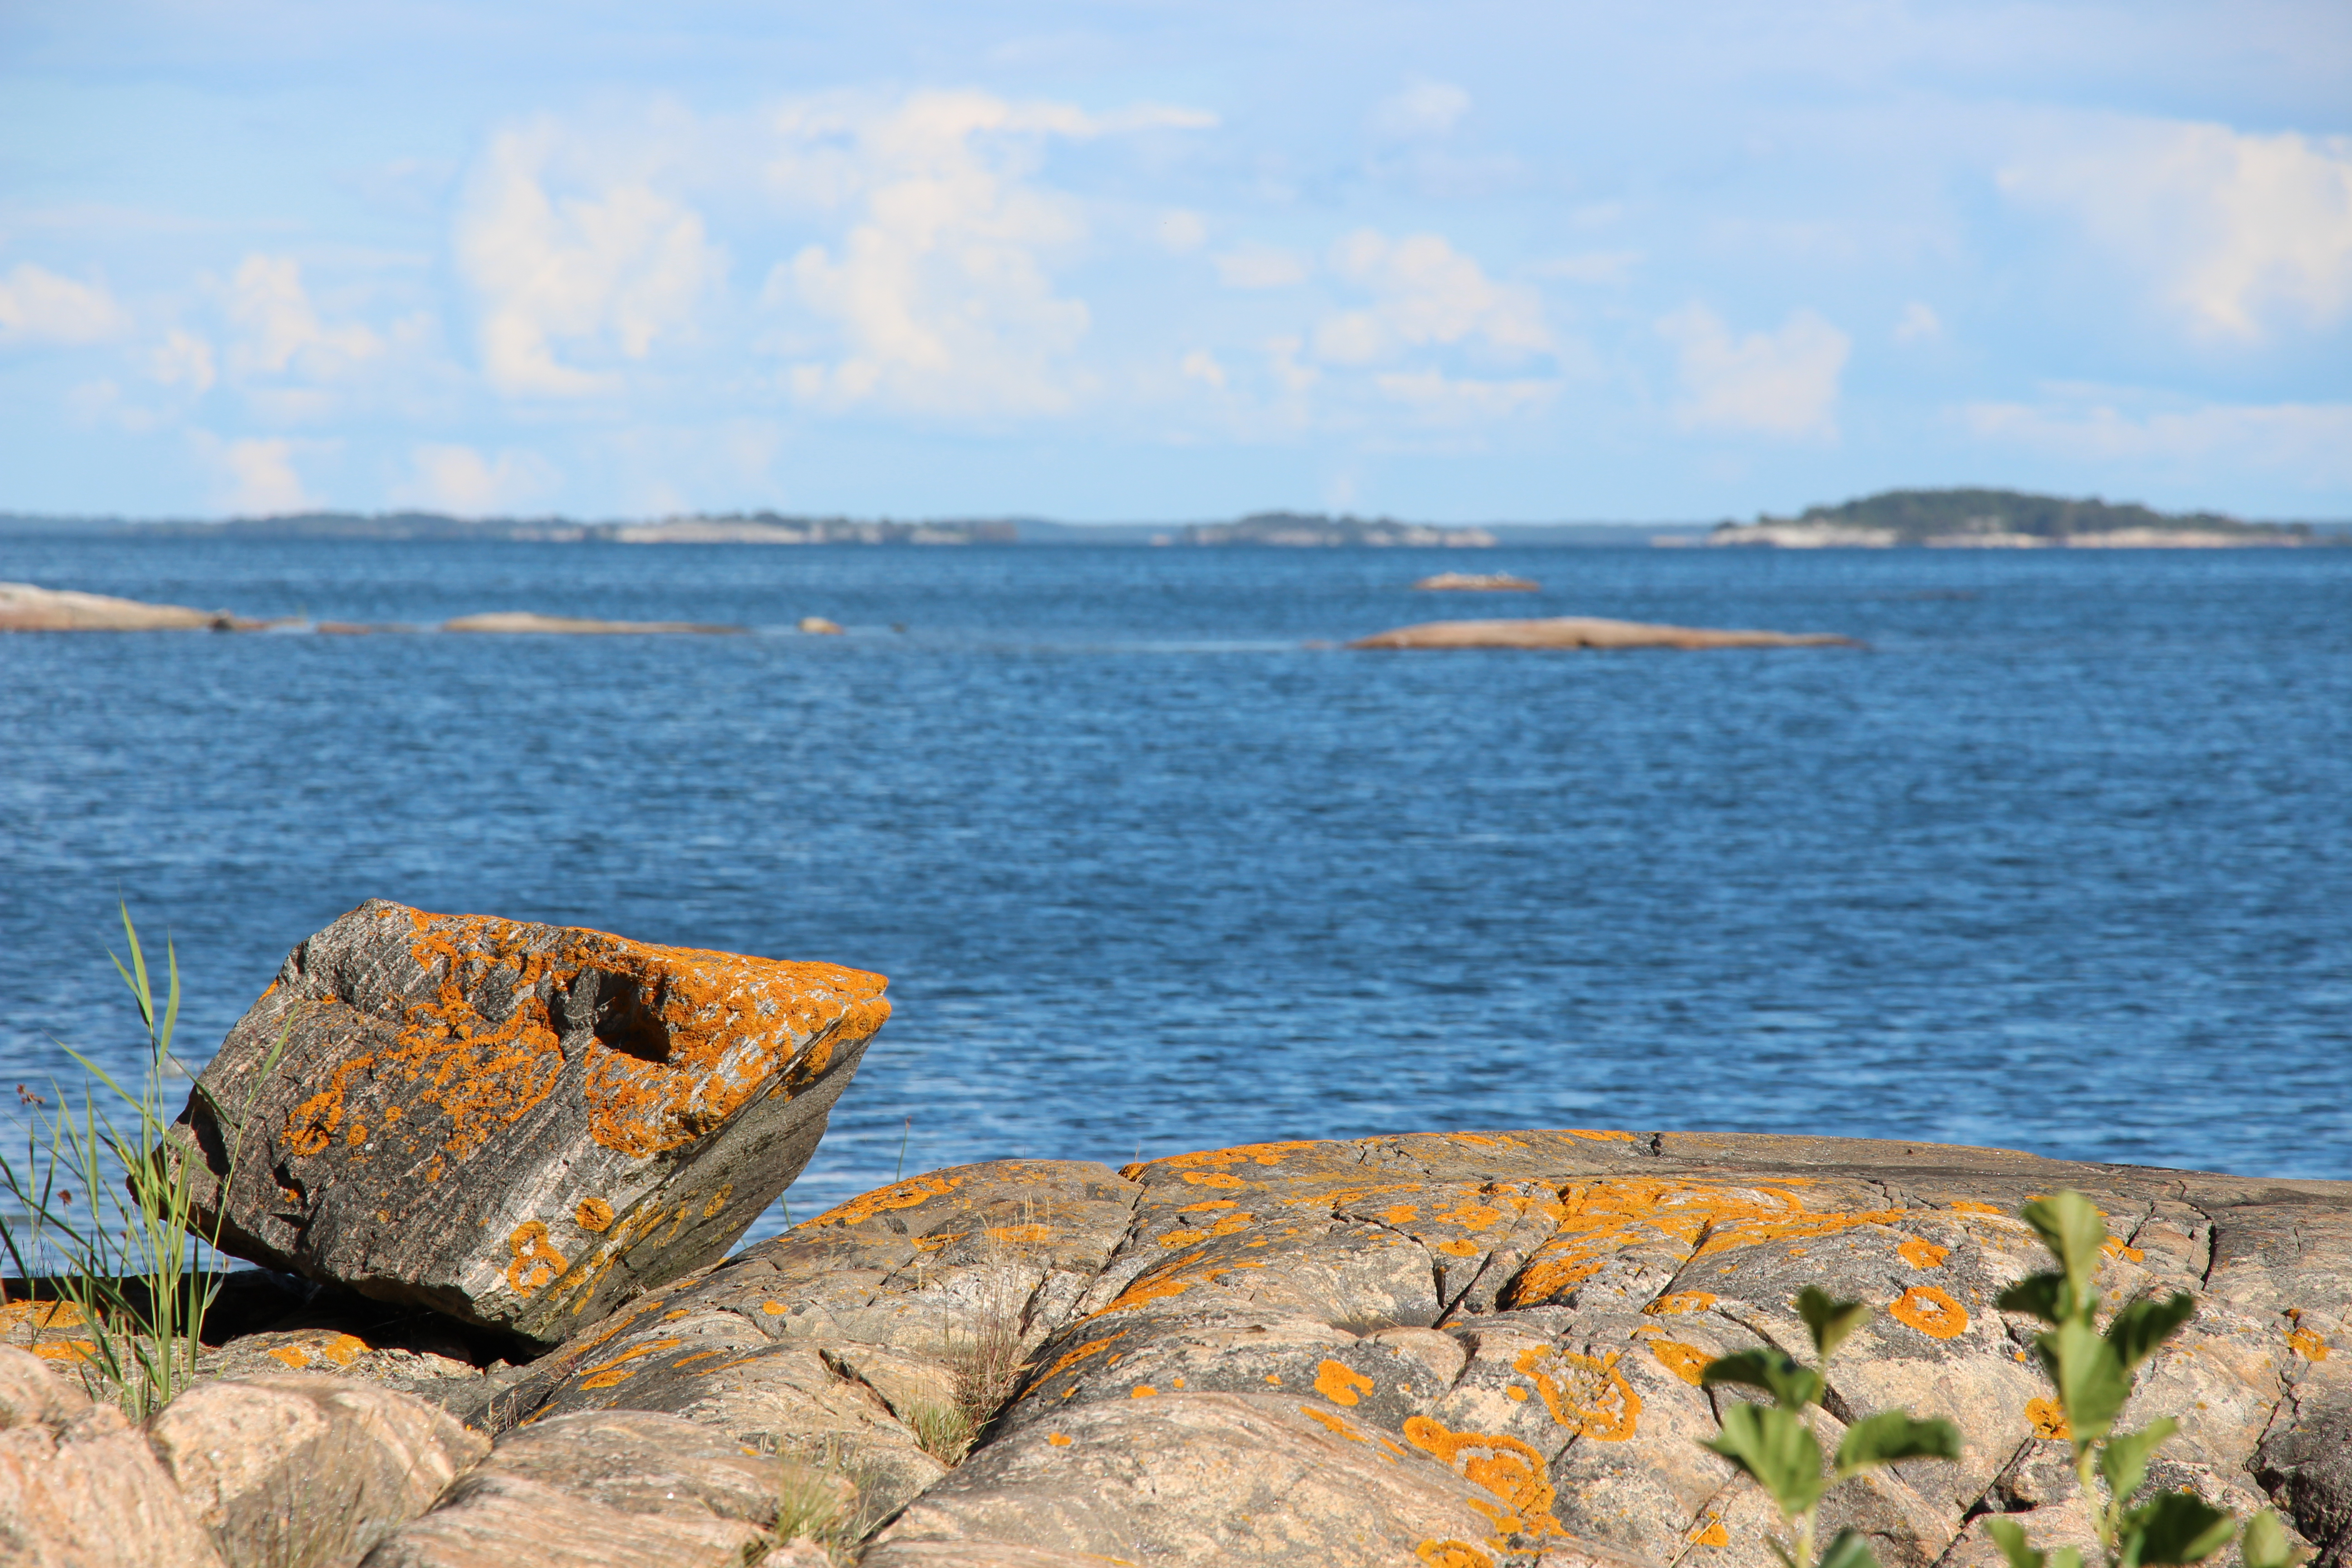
x,y
78,1486
1585,631
294,1470
521,622
26,609
519,1125
601,1490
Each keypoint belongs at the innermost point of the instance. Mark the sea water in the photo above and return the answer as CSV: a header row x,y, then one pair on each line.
x,y
2061,862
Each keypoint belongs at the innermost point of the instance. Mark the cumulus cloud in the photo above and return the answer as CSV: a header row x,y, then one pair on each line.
x,y
1426,293
611,266
183,359
2239,234
1180,231
1201,366
39,306
255,477
1918,324
278,329
460,480
2304,444
1260,266
940,297
1782,383
1441,399
1422,109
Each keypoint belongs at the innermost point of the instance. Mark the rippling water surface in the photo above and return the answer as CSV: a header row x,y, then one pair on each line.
x,y
2062,863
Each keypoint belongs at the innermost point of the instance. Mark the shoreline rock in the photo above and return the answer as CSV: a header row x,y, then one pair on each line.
x,y
515,623
1586,632
1477,583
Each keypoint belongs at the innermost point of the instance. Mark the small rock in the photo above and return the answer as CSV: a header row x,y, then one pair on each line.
x,y
817,625
302,1469
517,1125
1585,631
1479,583
78,1488
518,622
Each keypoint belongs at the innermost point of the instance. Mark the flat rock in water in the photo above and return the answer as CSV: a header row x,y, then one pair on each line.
x,y
1479,583
1483,1349
520,621
25,607
1586,631
519,1125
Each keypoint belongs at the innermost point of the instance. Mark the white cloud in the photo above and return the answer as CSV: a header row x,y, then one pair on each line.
x,y
183,359
1260,266
614,269
1426,293
1918,324
2306,443
278,328
39,306
2241,233
1180,231
939,298
1777,384
255,477
1590,266
1422,109
460,480
1442,399
1202,365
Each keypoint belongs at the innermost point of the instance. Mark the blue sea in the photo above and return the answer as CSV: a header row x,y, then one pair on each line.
x,y
2063,861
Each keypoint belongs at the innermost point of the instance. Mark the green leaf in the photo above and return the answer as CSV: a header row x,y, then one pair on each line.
x,y
2124,1457
2092,1383
1794,1386
2144,1324
1831,1321
2043,1295
2071,1229
2066,1557
2264,1545
1848,1548
1891,1436
1778,1449
2009,1536
2174,1528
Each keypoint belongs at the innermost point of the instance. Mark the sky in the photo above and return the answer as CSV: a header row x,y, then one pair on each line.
x,y
1128,260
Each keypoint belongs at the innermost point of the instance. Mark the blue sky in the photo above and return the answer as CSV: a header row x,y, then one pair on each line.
x,y
1153,261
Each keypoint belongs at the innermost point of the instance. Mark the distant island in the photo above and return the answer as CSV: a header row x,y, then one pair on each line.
x,y
1317,531
2003,519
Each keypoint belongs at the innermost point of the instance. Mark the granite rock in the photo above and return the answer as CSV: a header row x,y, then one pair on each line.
x,y
78,1486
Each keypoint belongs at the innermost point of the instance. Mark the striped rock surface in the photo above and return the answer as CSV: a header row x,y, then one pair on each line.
x,y
518,1125
1478,1348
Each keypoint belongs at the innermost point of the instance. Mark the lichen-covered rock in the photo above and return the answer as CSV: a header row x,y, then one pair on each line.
x,y
602,1489
297,1470
1483,1350
516,1124
78,1486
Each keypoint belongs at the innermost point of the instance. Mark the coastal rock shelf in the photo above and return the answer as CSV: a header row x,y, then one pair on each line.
x,y
25,607
1587,632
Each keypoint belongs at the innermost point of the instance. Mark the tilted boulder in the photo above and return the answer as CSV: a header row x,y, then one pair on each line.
x,y
515,1125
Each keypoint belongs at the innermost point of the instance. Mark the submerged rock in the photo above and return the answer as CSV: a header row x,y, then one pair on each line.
x,y
25,607
1585,631
519,1125
521,621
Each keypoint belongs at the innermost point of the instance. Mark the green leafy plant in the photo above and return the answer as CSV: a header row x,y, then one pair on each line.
x,y
2093,1373
1774,1442
133,1290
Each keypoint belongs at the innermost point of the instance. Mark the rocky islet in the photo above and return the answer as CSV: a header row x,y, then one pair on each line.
x,y
1455,1349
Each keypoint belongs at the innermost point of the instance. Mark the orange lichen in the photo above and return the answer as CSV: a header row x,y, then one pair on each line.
x,y
1170,1279
1225,1226
594,1214
1205,1207
1681,1301
614,1372
1398,1214
1059,1440
1921,1253
1587,1395
2048,1419
1141,1391
2308,1345
719,1199
1452,1554
1091,1348
1931,1312
1460,1247
1708,1531
1969,1205
1599,1135
535,1262
1507,1467
1212,1179
1218,1159
1602,1218
1340,1384
1686,1362
1335,1423
2116,1247
903,1195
